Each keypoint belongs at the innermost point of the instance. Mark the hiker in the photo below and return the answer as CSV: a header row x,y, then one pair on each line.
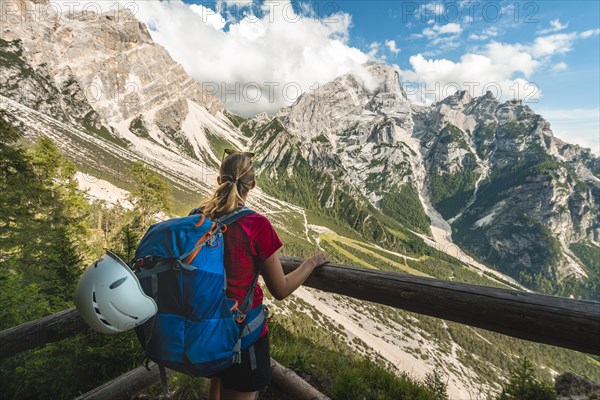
x,y
251,248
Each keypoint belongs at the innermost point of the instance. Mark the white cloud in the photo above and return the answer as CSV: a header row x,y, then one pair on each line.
x,y
373,50
437,30
209,16
441,35
511,58
236,3
589,33
435,7
485,34
428,32
559,43
555,26
451,27
494,69
503,68
561,66
278,53
391,45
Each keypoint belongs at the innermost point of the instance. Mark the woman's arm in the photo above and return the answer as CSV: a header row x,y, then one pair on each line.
x,y
281,285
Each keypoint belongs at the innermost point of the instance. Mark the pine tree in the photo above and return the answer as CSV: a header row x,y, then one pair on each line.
x,y
151,193
523,385
42,230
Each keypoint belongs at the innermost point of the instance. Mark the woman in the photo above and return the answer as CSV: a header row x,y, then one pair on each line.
x,y
251,248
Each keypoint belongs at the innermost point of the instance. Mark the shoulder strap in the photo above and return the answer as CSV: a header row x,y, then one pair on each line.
x,y
233,216
249,298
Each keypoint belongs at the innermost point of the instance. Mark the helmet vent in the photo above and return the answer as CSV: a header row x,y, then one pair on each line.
x,y
118,283
127,315
97,310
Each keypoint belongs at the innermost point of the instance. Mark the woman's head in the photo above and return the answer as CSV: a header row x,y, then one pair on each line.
x,y
236,178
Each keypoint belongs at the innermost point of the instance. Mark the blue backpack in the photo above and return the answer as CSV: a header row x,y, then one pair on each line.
x,y
197,330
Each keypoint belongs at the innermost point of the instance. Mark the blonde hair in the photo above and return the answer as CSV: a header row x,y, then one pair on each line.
x,y
236,177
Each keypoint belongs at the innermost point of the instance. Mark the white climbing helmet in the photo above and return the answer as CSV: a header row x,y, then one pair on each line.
x,y
109,296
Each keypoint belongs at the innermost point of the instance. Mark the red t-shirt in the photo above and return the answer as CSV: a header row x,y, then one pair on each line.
x,y
248,242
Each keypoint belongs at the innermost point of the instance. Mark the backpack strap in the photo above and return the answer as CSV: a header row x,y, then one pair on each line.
x,y
248,299
256,323
164,383
233,216
250,328
252,355
227,220
162,265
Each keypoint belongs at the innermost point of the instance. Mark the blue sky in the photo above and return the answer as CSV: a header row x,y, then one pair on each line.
x,y
526,20
545,52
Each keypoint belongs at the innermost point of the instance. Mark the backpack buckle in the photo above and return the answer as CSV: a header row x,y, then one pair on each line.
x,y
213,242
239,316
145,262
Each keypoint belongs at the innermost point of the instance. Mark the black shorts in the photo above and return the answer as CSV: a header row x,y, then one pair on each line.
x,y
241,378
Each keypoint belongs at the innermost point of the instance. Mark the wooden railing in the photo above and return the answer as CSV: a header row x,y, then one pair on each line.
x,y
568,323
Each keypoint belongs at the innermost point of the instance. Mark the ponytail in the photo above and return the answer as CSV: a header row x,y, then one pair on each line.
x,y
236,177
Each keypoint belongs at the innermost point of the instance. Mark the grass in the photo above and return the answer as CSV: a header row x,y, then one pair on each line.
x,y
367,252
335,369
451,191
404,205
218,145
138,127
347,254
89,123
453,134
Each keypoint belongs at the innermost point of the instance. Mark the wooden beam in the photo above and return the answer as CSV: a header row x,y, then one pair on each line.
x,y
294,386
30,335
126,385
569,323
132,382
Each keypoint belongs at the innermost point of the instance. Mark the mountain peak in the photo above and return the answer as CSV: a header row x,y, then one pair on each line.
x,y
459,99
490,95
387,78
120,69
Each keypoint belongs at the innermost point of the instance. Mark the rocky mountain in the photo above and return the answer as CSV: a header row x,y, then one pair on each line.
x,y
105,74
352,168
491,175
515,195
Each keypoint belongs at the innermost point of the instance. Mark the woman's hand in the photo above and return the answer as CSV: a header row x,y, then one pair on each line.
x,y
317,260
281,285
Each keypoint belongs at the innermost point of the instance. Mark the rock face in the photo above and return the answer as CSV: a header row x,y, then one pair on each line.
x,y
353,136
99,70
570,386
512,193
